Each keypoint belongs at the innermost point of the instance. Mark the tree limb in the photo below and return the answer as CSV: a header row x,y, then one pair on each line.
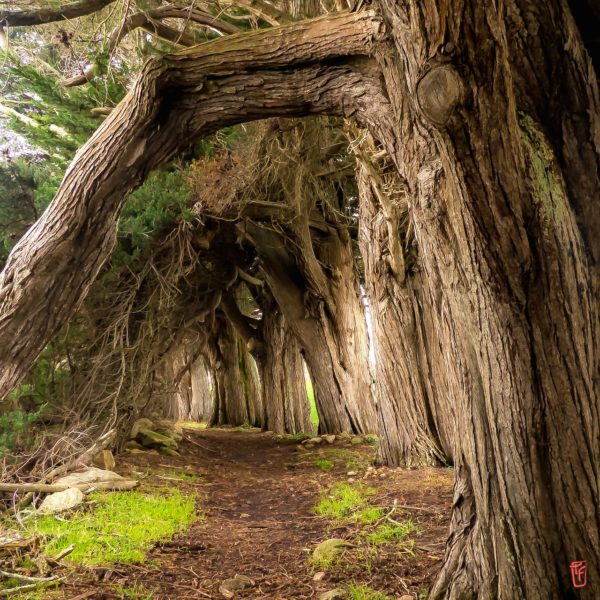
x,y
50,488
27,18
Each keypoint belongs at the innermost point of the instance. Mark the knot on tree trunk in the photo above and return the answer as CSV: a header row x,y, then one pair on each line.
x,y
438,93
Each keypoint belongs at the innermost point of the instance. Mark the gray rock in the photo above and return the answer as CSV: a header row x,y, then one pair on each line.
x,y
153,439
139,425
330,438
90,475
229,587
61,501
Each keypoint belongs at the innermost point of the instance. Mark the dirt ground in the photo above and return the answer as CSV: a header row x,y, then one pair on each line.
x,y
257,492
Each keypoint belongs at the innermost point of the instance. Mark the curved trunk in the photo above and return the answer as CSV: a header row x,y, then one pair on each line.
x,y
202,392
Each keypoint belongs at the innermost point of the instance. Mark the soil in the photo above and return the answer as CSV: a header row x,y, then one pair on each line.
x,y
256,497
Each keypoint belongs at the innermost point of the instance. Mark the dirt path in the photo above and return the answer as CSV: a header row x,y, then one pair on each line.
x,y
257,493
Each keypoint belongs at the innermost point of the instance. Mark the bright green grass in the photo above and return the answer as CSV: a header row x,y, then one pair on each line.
x,y
122,526
392,532
192,424
343,500
364,592
369,515
135,592
310,392
323,464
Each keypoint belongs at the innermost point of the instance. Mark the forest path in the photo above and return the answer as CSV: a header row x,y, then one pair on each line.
x,y
257,493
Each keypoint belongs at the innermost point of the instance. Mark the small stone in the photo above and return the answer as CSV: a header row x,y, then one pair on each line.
x,y
406,597
351,473
319,576
152,439
229,587
314,441
309,446
139,425
61,501
330,438
333,594
300,448
357,440
105,460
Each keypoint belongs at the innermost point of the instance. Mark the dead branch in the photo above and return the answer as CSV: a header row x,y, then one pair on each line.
x,y
49,488
27,18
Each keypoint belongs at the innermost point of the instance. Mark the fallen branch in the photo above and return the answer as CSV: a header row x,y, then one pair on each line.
x,y
26,578
46,488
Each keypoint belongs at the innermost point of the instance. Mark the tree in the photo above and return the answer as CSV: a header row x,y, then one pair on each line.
x,y
505,219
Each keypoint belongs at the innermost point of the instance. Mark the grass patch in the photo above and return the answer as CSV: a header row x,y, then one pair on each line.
x,y
198,425
135,592
323,464
343,500
369,515
391,532
364,592
122,526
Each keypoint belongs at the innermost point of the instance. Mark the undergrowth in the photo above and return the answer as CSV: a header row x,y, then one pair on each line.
x,y
120,526
364,592
344,501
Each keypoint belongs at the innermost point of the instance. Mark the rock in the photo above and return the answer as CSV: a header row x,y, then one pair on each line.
x,y
330,438
333,594
137,451
406,597
139,425
229,587
319,576
170,426
90,475
301,448
170,433
309,446
316,440
105,460
132,445
344,436
357,440
169,451
351,473
61,501
153,439
327,550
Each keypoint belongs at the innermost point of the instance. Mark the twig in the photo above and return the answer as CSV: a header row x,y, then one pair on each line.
x,y
27,579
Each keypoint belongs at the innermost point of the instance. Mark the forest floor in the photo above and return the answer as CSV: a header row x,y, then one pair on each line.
x,y
257,494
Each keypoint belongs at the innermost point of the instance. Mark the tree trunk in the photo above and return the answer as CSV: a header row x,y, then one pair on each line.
x,y
282,374
202,392
334,344
410,386
496,138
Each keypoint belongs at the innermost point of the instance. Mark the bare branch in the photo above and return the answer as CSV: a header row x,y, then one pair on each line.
x,y
40,16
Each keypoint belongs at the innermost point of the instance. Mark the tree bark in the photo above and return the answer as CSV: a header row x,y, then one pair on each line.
x,y
506,220
175,100
202,392
285,399
40,16
411,394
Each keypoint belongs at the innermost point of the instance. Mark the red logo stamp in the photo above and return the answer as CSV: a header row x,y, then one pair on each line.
x,y
579,573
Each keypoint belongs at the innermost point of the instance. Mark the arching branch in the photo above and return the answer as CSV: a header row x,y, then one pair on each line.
x,y
40,16
151,22
312,67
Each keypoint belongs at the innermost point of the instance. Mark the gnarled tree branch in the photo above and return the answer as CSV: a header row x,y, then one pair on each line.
x,y
40,16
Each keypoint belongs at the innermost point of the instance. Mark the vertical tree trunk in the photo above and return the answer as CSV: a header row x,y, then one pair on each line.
x,y
410,386
202,392
506,220
285,400
334,344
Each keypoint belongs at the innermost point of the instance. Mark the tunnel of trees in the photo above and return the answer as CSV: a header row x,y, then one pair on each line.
x,y
397,201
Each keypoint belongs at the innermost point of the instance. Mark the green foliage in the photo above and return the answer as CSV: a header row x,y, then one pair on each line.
x,y
323,464
121,526
364,592
310,392
13,427
343,501
369,515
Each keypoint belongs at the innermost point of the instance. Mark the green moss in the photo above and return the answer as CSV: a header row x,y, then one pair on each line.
x,y
547,183
121,526
343,501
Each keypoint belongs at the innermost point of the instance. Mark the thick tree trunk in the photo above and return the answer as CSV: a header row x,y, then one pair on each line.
x,y
506,220
285,400
413,416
